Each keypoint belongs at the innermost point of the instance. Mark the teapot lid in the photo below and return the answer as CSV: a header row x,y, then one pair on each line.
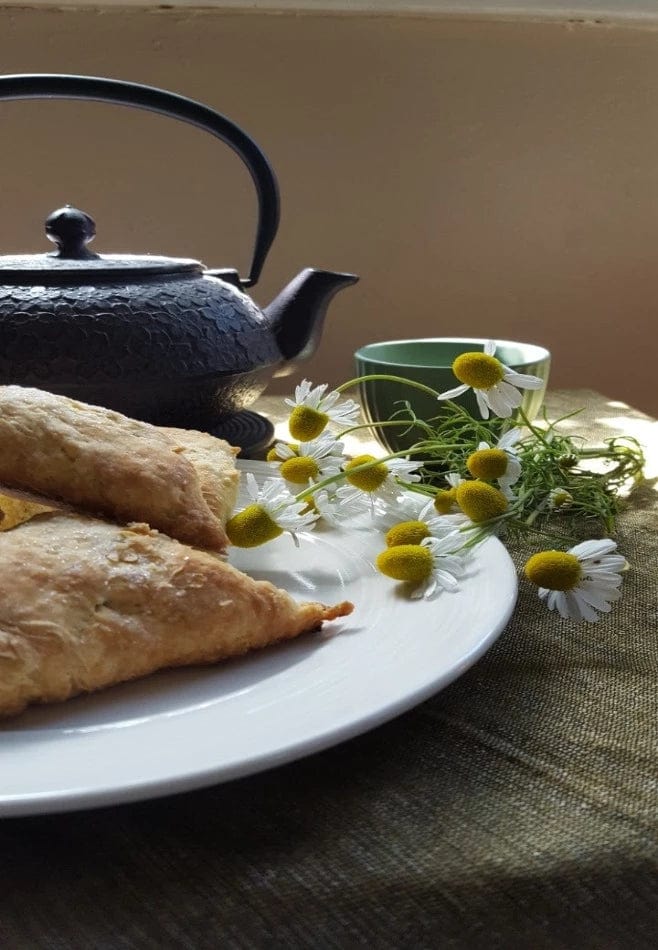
x,y
73,263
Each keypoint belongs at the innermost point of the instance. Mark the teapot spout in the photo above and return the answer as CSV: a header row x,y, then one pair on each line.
x,y
296,316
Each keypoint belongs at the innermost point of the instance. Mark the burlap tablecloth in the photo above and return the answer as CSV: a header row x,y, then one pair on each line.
x,y
517,808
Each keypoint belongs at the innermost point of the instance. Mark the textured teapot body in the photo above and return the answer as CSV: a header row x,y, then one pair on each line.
x,y
178,350
178,327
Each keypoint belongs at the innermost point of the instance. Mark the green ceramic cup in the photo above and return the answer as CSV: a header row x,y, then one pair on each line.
x,y
429,361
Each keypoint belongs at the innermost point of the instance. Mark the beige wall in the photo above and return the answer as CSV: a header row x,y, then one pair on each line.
x,y
496,179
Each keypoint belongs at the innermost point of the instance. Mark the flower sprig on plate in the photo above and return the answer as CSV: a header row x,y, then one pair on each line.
x,y
463,480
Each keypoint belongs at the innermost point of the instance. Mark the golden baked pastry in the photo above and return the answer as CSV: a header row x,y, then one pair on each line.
x,y
86,604
102,462
214,463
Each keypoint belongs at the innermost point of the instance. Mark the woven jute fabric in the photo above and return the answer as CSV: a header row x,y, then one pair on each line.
x,y
515,809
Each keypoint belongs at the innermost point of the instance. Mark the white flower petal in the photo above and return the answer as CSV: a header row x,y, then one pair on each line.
x,y
579,608
608,581
604,562
513,472
453,564
512,396
498,401
453,393
551,597
567,610
252,486
597,598
522,380
593,548
483,405
509,439
446,580
330,400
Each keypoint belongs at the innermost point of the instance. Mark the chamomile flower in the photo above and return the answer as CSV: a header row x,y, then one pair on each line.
x,y
423,523
380,481
578,582
430,566
494,384
559,499
497,463
272,511
313,408
310,461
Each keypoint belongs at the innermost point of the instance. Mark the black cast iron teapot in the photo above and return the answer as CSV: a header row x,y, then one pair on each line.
x,y
161,339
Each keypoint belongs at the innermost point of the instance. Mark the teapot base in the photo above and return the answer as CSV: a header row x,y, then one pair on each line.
x,y
250,432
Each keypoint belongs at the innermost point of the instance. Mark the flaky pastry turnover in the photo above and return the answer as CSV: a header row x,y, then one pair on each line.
x,y
90,604
181,482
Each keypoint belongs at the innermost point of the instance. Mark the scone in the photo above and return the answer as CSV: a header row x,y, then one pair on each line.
x,y
101,462
86,604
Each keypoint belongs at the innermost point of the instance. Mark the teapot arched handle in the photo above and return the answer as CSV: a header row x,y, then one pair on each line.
x,y
56,86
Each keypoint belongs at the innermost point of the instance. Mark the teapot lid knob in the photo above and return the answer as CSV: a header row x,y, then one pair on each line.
x,y
71,230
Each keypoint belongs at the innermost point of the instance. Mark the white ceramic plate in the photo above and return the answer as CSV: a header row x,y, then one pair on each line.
x,y
184,729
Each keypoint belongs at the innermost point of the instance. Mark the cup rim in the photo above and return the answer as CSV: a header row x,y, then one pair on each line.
x,y
540,352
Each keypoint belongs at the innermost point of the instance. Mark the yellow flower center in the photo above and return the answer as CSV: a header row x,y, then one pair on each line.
x,y
369,479
445,500
556,570
252,526
306,423
407,532
406,562
487,464
478,370
298,470
561,498
480,501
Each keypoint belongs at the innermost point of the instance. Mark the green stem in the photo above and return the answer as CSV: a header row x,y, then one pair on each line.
x,y
535,431
392,379
377,425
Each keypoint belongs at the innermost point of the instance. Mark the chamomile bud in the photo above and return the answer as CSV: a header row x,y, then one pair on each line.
x,y
445,500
